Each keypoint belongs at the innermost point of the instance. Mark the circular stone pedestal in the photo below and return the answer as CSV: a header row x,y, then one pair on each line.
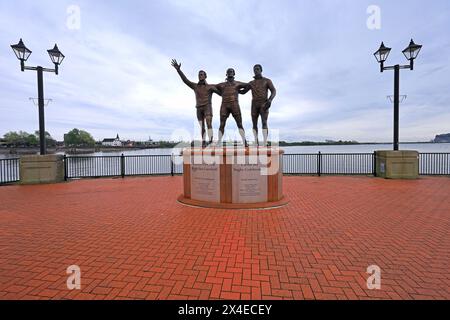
x,y
233,177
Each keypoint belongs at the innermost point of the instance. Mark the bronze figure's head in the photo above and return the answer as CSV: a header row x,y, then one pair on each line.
x,y
257,69
202,75
230,73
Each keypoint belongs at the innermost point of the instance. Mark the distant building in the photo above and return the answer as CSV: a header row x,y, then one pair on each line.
x,y
129,143
442,138
112,142
149,143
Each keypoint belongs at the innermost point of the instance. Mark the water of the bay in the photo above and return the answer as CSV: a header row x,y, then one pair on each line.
x,y
359,148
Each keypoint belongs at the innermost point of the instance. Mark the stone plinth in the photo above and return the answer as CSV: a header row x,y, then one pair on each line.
x,y
236,178
403,164
35,169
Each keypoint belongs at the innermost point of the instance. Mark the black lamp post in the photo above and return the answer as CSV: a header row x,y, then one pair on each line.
x,y
410,53
22,53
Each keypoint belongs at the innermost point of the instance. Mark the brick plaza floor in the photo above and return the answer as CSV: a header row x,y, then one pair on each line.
x,y
132,240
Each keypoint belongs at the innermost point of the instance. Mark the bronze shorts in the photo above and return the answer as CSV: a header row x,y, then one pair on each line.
x,y
228,108
259,109
204,111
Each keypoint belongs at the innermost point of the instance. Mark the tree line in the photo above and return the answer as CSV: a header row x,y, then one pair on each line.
x,y
25,139
74,138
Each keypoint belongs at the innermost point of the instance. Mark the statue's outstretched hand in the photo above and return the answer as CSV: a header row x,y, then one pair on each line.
x,y
175,64
244,89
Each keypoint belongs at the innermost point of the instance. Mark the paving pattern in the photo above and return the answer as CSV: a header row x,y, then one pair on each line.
x,y
132,240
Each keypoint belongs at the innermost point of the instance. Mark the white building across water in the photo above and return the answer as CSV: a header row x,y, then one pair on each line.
x,y
112,142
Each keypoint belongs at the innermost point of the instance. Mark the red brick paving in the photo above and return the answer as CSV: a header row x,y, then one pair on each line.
x,y
132,240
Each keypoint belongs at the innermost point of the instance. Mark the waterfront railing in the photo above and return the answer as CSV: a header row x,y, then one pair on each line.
x,y
295,164
9,170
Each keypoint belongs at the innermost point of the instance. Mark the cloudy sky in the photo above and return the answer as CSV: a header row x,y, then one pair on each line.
x,y
117,77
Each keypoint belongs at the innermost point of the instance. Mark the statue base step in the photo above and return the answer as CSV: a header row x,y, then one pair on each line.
x,y
245,206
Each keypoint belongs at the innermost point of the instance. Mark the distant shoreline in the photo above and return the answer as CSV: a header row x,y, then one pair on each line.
x,y
78,150
344,143
84,150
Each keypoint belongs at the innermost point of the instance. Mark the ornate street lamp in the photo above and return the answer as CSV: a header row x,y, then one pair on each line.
x,y
56,56
411,52
381,55
22,53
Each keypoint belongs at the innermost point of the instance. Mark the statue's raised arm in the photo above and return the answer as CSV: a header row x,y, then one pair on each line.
x,y
177,67
203,100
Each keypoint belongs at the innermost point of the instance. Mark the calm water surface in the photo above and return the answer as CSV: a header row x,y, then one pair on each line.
x,y
361,148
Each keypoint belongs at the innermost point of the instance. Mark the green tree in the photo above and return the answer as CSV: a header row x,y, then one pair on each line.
x,y
12,138
30,140
21,139
48,139
77,138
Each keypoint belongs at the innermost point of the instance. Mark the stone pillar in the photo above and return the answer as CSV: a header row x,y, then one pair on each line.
x,y
37,169
401,164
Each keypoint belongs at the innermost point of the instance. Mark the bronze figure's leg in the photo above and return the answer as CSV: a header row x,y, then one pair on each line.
x,y
255,129
210,129
203,133
264,117
255,115
224,114
223,120
238,118
201,122
208,119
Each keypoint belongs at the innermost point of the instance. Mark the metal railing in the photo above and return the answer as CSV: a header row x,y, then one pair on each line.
x,y
348,163
434,163
329,163
307,164
92,166
9,170
109,166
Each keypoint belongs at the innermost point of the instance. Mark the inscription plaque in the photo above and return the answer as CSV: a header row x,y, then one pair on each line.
x,y
205,182
248,184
